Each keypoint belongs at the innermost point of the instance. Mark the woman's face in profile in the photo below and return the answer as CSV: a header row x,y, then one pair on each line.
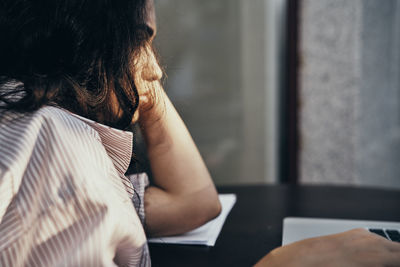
x,y
148,74
147,69
147,77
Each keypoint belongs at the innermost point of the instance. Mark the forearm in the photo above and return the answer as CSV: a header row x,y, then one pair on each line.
x,y
184,196
167,214
175,161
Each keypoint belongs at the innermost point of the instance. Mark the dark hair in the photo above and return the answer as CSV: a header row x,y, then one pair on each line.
x,y
72,53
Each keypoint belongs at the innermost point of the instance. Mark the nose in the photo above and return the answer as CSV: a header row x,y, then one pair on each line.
x,y
151,70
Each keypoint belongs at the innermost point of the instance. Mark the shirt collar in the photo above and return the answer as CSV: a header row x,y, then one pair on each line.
x,y
117,143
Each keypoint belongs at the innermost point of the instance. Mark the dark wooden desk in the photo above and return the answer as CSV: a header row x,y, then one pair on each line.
x,y
254,226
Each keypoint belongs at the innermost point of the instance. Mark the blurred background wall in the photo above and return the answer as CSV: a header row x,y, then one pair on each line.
x,y
225,64
222,59
350,92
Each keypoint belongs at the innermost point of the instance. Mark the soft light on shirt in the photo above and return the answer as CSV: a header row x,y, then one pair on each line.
x,y
64,196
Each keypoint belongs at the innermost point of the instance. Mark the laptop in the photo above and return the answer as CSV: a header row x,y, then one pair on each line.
x,y
295,229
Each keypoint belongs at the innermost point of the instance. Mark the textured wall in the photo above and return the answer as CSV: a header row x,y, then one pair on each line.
x,y
350,92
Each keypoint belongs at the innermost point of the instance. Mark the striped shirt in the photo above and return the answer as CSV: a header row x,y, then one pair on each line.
x,y
64,196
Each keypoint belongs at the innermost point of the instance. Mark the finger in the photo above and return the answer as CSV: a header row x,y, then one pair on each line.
x,y
135,117
144,99
393,259
383,242
393,246
353,234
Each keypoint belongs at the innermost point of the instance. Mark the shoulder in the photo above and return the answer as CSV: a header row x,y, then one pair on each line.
x,y
47,120
66,134
62,122
48,133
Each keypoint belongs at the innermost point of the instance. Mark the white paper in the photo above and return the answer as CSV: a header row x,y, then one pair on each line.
x,y
206,234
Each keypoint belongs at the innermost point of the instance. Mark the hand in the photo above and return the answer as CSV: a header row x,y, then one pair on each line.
x,y
148,74
354,248
151,104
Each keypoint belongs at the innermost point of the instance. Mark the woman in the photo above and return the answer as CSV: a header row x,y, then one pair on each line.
x,y
71,70
68,69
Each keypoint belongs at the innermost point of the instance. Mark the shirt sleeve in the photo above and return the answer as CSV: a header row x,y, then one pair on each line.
x,y
140,182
